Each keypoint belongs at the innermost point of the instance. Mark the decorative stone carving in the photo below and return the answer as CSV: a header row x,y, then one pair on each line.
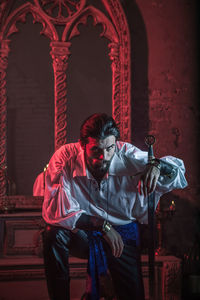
x,y
60,53
4,50
27,228
19,15
3,6
109,32
66,9
116,107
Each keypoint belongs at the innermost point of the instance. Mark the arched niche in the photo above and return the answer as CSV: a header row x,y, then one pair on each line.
x,y
30,106
89,77
115,29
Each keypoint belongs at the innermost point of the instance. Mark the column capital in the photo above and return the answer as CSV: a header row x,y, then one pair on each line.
x,y
60,53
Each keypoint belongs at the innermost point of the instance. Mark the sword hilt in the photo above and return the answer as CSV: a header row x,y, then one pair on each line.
x,y
149,141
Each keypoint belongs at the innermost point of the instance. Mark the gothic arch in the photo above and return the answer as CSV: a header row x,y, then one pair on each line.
x,y
8,28
19,15
115,30
71,29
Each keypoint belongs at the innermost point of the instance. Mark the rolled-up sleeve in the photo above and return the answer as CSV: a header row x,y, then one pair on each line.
x,y
176,180
138,159
59,207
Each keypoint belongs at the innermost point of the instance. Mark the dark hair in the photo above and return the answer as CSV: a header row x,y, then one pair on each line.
x,y
98,126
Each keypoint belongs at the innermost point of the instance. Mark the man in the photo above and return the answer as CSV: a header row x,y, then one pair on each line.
x,y
95,195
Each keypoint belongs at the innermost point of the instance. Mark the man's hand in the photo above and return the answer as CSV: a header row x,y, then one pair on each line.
x,y
113,238
148,180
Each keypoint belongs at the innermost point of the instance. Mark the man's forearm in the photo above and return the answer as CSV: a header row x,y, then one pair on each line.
x,y
165,168
87,222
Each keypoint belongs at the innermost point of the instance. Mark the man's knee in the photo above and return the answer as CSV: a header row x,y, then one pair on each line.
x,y
54,235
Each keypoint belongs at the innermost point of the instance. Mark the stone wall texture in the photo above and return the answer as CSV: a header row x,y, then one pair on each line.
x,y
165,100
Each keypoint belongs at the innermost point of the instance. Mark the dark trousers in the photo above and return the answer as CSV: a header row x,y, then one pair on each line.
x,y
58,243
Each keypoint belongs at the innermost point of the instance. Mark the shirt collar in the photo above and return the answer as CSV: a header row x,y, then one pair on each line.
x,y
117,166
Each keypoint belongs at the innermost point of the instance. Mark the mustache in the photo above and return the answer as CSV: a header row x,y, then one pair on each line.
x,y
104,165
103,161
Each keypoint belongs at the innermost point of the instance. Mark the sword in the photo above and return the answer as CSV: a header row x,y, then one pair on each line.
x,y
150,140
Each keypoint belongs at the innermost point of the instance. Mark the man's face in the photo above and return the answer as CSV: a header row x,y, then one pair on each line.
x,y
99,153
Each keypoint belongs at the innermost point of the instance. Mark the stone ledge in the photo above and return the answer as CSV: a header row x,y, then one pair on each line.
x,y
32,268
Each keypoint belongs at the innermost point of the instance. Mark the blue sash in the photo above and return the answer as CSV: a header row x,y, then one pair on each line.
x,y
97,263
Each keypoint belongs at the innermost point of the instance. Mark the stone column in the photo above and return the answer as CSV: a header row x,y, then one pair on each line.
x,y
115,66
120,93
60,54
4,50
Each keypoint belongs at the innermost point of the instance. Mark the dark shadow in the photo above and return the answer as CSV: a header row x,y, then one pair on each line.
x,y
198,62
178,238
139,73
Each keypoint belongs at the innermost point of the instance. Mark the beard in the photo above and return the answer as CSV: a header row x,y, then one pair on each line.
x,y
103,167
98,169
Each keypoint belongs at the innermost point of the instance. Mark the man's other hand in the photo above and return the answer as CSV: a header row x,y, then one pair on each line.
x,y
113,238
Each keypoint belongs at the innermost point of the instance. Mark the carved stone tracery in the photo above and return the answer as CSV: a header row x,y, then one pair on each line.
x,y
19,15
109,32
66,9
70,13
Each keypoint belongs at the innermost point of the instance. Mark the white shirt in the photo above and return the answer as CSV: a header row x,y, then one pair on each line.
x,y
38,187
71,190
